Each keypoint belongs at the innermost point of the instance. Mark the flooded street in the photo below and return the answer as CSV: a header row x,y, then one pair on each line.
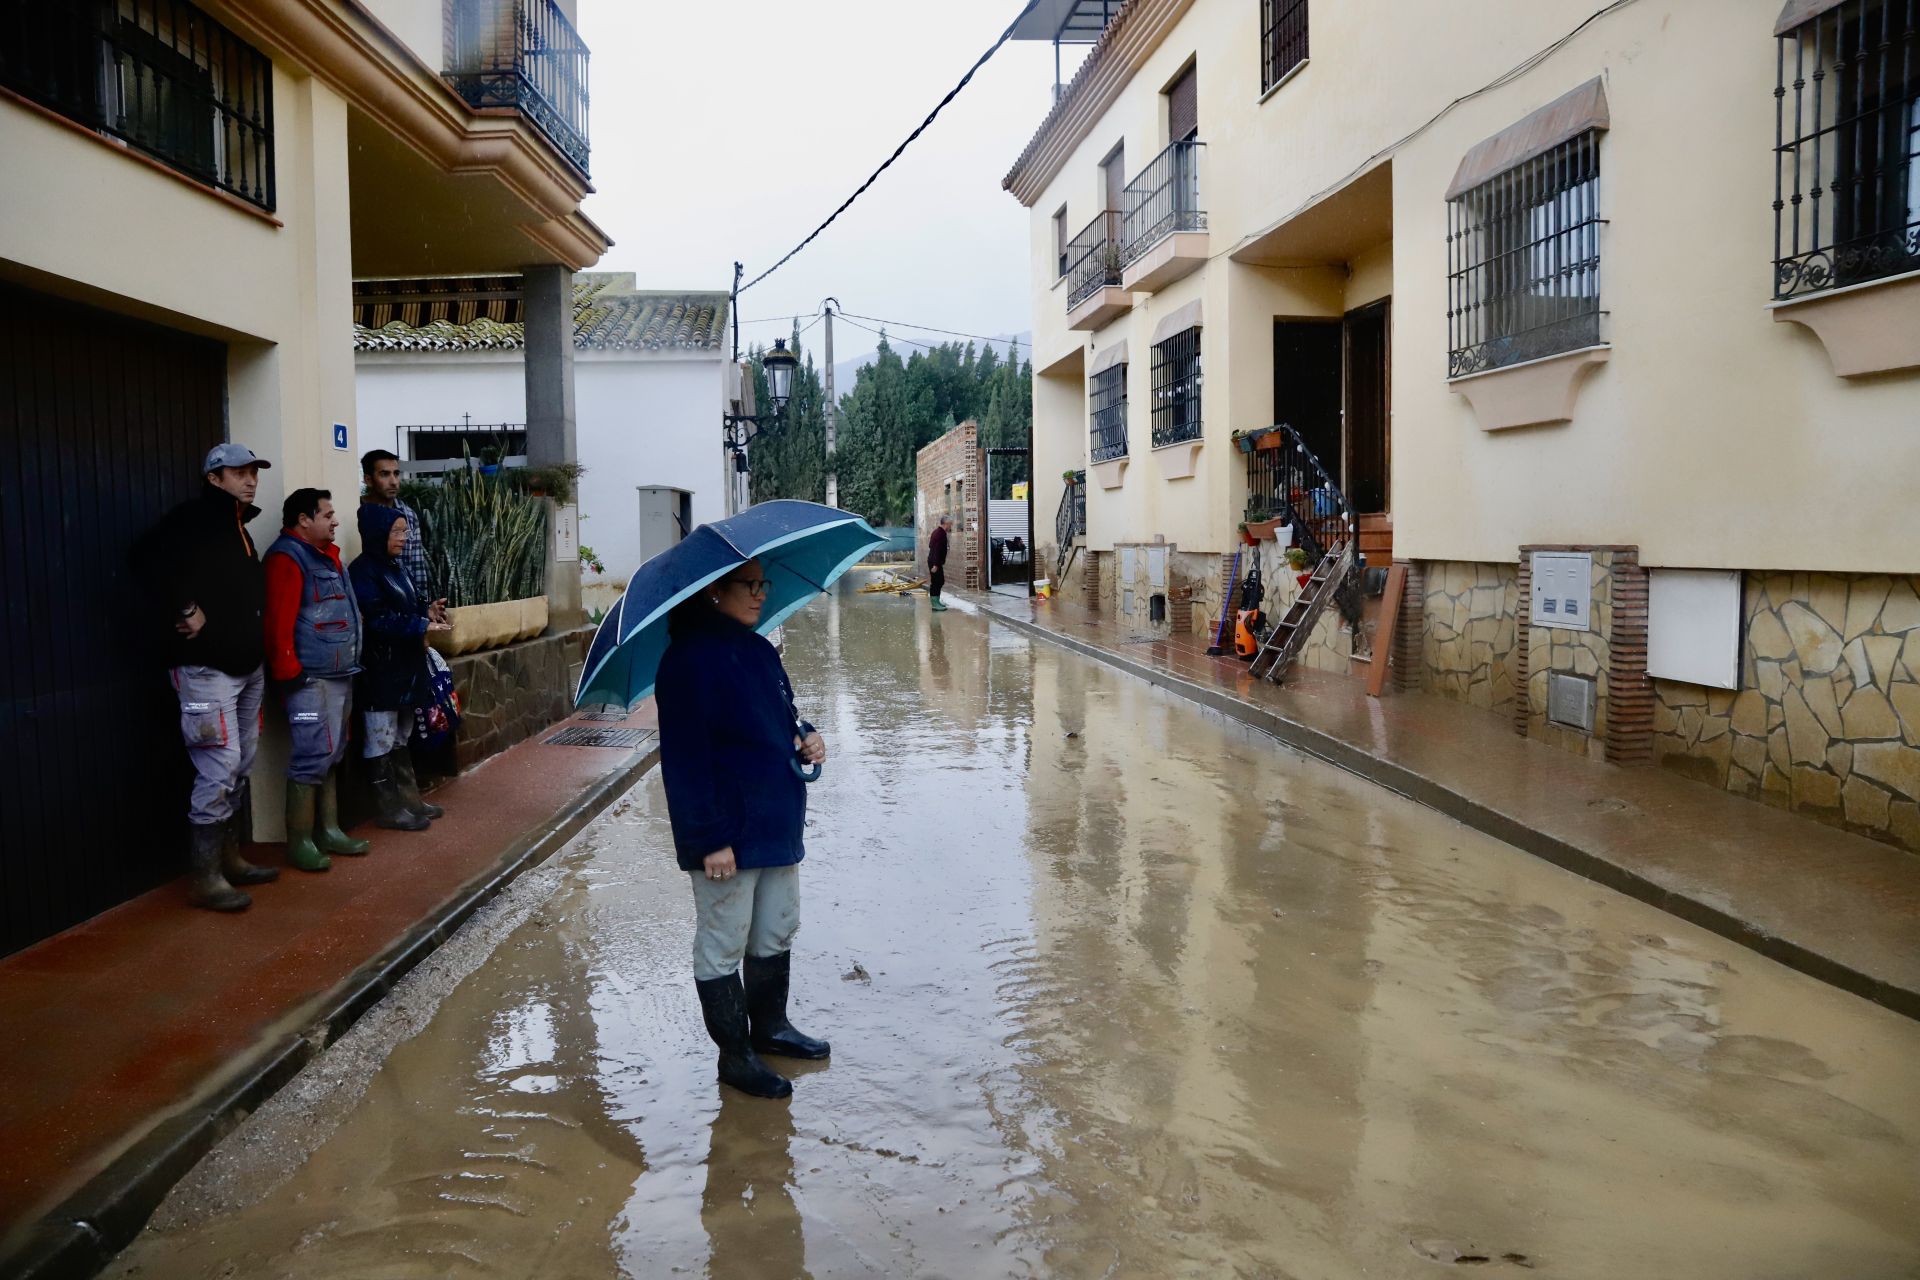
x,y
1115,987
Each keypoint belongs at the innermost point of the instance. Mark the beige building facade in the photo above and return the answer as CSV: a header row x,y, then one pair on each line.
x,y
191,191
1603,319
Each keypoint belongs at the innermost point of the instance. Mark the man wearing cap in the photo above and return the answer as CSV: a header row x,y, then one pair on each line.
x,y
209,590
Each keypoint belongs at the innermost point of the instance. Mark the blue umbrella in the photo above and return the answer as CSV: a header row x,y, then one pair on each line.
x,y
802,547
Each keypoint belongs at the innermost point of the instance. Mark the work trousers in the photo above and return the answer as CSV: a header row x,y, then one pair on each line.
x,y
751,913
220,723
936,580
317,721
386,732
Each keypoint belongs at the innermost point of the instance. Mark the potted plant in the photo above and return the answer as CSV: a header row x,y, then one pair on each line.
x,y
1246,535
1070,476
486,546
1271,438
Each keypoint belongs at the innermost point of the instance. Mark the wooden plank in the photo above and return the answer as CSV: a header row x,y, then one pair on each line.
x,y
1383,637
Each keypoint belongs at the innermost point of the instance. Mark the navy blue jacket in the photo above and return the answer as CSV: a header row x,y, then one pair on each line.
x,y
395,675
726,745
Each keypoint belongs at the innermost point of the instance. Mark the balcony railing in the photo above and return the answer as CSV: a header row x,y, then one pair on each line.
x,y
523,54
1165,198
159,75
1093,258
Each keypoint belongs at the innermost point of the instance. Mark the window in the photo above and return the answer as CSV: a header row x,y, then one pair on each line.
x,y
1176,388
1107,401
1847,165
1283,39
1060,241
1183,107
159,75
1523,258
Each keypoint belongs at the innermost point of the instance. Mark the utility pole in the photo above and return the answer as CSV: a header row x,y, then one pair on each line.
x,y
833,411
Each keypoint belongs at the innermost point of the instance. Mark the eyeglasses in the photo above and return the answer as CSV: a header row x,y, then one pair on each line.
x,y
756,587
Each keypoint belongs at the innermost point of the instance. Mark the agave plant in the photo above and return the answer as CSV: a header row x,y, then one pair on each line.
x,y
486,541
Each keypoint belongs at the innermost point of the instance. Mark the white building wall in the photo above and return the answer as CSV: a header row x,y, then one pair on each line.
x,y
643,418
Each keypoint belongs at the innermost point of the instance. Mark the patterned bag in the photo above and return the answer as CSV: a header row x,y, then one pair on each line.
x,y
433,724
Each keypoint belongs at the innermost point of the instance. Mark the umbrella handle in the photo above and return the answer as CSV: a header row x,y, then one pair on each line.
x,y
807,773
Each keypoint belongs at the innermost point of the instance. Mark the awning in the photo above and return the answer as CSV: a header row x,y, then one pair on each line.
x,y
1178,320
1113,355
1566,117
1798,13
1068,21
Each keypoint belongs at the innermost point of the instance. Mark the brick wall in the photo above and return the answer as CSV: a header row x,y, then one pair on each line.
x,y
951,478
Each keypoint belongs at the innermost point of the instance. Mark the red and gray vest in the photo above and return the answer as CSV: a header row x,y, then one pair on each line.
x,y
326,636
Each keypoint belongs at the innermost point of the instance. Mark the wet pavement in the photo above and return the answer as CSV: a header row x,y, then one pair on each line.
x,y
1116,988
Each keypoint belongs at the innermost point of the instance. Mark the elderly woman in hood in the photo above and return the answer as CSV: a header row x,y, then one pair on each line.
x,y
395,677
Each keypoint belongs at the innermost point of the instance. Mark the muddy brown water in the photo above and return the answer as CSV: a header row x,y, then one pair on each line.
x,y
1115,988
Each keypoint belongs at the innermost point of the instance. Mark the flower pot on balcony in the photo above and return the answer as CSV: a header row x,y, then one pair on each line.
x,y
1258,529
1271,440
489,626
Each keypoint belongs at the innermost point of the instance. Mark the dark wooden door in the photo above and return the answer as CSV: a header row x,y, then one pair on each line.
x,y
1368,409
1306,386
103,424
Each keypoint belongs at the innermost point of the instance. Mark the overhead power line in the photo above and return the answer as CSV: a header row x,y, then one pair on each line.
x,y
924,328
952,93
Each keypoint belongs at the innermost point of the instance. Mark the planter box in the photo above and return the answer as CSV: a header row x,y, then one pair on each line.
x,y
1268,528
489,626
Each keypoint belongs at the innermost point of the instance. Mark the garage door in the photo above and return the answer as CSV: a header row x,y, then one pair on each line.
x,y
103,423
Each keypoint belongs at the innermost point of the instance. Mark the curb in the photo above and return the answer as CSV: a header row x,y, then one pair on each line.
x,y
1490,821
80,1236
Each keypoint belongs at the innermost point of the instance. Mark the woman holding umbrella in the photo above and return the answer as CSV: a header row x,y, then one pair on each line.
x,y
731,751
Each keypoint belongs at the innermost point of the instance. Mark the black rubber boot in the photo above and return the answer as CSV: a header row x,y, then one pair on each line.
x,y
724,1003
390,806
233,864
766,986
209,888
402,761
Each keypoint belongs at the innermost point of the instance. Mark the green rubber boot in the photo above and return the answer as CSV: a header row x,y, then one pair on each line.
x,y
327,833
939,605
302,853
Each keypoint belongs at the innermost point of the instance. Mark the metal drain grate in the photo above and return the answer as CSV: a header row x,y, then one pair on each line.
x,y
613,713
584,737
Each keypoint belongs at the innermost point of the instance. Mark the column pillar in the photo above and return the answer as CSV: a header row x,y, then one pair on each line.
x,y
547,311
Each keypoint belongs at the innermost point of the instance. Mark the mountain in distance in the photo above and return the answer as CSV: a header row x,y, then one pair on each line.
x,y
844,371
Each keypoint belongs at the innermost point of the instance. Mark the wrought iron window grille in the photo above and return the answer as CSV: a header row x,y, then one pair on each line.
x,y
1107,402
1283,39
1163,199
1092,258
1846,194
1523,260
161,76
1176,388
523,54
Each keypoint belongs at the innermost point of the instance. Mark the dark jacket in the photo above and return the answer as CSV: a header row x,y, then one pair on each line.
x,y
200,554
726,745
393,656
937,548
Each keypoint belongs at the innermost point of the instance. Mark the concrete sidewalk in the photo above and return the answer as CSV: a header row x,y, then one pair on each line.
x,y
1838,907
136,1039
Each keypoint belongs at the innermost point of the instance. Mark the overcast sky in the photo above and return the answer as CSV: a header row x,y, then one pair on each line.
x,y
688,101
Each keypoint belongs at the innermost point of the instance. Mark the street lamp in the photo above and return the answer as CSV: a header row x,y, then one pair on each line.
x,y
779,364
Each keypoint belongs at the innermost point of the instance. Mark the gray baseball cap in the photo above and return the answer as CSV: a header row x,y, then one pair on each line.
x,y
232,455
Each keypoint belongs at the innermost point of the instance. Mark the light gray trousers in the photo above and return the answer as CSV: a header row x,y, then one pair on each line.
x,y
753,913
220,722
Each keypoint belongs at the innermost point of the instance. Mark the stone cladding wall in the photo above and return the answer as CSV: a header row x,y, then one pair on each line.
x,y
1827,719
507,695
1470,632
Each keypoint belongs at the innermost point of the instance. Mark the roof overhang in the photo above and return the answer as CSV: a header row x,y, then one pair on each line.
x,y
1336,226
1137,30
408,126
1067,21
